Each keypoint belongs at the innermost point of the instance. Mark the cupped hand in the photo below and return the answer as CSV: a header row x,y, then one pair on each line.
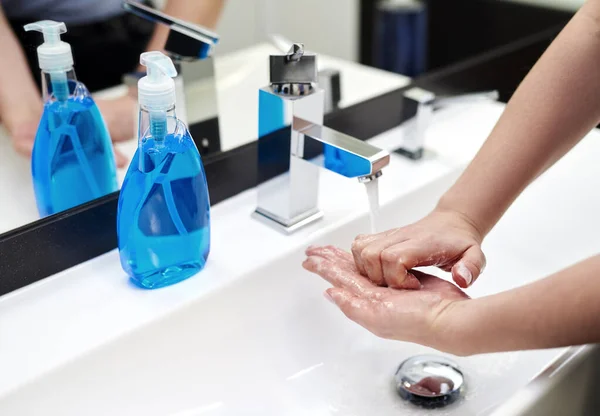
x,y
445,239
408,315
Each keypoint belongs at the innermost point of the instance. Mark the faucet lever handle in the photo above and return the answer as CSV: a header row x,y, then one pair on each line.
x,y
295,53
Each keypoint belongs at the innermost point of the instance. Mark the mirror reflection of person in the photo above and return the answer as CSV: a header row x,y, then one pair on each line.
x,y
96,30
377,287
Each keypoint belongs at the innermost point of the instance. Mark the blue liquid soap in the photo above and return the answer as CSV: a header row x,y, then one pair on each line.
x,y
72,160
164,209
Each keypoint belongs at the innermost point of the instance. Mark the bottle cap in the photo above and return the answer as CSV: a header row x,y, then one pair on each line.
x,y
156,90
54,55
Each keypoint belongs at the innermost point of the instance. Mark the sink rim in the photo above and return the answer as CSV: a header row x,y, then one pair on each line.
x,y
526,397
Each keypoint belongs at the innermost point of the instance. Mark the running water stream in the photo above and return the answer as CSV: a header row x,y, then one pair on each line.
x,y
372,188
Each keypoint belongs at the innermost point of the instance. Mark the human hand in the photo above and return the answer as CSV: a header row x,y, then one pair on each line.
x,y
445,239
419,316
119,116
22,134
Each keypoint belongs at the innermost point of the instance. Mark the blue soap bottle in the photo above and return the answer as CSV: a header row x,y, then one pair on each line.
x,y
163,219
72,160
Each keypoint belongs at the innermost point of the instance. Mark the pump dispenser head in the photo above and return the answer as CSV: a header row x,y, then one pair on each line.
x,y
156,91
54,55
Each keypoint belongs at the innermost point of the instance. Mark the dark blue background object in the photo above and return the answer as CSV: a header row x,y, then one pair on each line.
x,y
400,43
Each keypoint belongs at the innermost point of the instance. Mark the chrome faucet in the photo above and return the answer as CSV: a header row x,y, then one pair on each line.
x,y
190,47
293,104
418,107
329,79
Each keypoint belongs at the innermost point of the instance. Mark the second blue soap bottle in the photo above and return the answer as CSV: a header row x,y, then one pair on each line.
x,y
163,219
72,161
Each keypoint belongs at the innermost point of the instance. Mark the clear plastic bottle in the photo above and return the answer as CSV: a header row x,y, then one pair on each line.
x,y
72,161
163,221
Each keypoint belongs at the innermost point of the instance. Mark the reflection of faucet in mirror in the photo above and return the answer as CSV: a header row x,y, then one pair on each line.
x,y
292,98
190,47
105,42
418,106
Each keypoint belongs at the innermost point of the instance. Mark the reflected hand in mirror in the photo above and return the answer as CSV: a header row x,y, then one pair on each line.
x,y
21,103
22,133
400,314
119,116
121,128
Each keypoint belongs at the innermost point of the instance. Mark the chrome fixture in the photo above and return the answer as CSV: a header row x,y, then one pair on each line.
x,y
429,381
291,114
190,47
329,79
418,107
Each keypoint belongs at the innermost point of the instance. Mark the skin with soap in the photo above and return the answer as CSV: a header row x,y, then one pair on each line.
x,y
551,111
21,104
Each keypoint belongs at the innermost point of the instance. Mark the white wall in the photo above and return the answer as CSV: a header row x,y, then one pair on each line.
x,y
239,26
324,26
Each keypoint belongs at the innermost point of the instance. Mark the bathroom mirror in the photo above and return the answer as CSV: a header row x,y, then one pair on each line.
x,y
228,89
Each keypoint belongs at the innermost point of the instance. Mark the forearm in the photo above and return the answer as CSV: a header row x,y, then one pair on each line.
x,y
202,12
19,97
553,108
561,310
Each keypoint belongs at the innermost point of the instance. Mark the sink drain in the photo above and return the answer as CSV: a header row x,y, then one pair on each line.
x,y
429,381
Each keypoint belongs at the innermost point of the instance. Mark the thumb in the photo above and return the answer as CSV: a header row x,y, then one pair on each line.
x,y
468,268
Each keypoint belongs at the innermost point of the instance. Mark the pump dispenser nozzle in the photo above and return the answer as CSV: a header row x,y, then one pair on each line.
x,y
156,91
54,55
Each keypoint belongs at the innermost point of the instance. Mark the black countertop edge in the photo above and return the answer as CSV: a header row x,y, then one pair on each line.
x,y
45,247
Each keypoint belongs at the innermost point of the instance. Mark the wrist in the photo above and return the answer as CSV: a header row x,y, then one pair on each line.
x,y
454,327
447,206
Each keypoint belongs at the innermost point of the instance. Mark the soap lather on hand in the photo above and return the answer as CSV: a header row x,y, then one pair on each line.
x,y
407,315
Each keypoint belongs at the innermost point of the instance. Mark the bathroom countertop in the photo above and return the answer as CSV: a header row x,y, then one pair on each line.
x,y
46,325
81,314
239,75
70,315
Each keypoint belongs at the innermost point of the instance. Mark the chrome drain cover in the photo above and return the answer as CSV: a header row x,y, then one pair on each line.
x,y
429,381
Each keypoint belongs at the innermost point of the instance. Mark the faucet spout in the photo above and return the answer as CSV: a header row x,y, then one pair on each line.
x,y
290,116
355,158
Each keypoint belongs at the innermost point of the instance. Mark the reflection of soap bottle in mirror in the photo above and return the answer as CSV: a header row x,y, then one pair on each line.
x,y
164,211
72,160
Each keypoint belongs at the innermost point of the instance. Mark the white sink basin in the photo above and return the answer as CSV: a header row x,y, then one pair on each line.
x,y
268,344
264,341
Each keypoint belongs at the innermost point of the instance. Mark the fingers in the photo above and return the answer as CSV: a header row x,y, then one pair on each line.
x,y
341,277
468,268
333,254
119,116
120,159
23,137
431,283
366,250
24,147
398,260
